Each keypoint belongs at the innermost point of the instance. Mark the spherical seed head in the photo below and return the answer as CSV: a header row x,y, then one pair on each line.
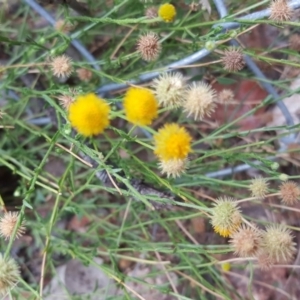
x,y
89,114
63,26
62,66
246,241
295,41
169,89
199,100
173,167
259,187
8,223
226,217
172,142
233,60
151,12
148,46
280,11
84,74
9,274
226,96
277,243
289,192
141,106
66,100
167,12
264,261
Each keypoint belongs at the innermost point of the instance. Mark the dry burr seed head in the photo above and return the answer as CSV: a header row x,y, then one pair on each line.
x,y
280,11
8,223
226,96
9,274
169,89
148,46
289,192
226,217
264,261
63,26
173,167
199,100
66,100
151,12
233,59
259,187
246,241
295,41
84,74
277,243
62,66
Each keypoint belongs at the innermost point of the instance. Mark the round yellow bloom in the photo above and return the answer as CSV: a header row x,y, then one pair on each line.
x,y
167,12
140,106
88,114
172,142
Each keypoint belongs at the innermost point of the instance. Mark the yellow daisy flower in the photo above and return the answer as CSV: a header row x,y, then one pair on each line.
x,y
172,142
167,12
140,106
88,114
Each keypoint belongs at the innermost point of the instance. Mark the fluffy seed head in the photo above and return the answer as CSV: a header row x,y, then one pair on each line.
x,y
169,89
89,114
246,241
167,12
61,66
151,12
9,274
172,142
63,26
259,187
226,96
295,41
173,167
84,74
141,106
280,11
199,100
148,46
264,261
277,243
8,223
233,59
67,99
226,217
289,192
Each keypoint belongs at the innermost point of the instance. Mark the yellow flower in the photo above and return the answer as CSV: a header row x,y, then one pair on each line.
x,y
226,266
167,12
88,114
172,142
140,106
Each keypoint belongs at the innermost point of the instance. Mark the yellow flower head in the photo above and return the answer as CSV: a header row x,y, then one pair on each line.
x,y
167,12
140,106
88,114
172,142
226,217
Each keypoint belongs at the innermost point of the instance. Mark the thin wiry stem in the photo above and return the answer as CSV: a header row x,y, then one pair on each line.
x,y
77,45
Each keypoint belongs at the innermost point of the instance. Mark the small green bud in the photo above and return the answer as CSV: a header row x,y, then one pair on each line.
x,y
283,177
210,45
275,166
